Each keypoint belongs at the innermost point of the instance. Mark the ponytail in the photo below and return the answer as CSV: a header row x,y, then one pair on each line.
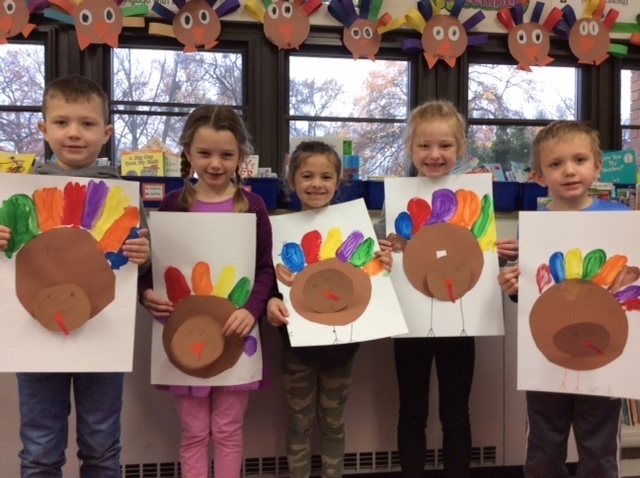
x,y
188,195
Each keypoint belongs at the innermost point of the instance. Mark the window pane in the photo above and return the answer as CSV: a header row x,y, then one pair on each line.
x,y
167,76
22,81
362,90
165,80
137,130
379,145
630,97
502,91
22,77
344,87
501,144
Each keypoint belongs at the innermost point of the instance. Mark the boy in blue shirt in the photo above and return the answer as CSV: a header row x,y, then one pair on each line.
x,y
566,158
75,125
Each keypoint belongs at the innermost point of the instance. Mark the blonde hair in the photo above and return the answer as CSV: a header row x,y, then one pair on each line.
x,y
442,111
218,118
563,131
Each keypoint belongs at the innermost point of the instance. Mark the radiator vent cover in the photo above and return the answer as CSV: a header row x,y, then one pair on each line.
x,y
277,467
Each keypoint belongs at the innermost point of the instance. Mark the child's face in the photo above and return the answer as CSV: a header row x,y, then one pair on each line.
x,y
568,168
75,131
215,156
316,181
433,149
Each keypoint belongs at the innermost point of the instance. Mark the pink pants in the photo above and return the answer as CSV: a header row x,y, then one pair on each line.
x,y
217,417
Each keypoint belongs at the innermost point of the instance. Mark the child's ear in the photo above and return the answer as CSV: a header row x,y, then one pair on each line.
x,y
42,126
538,179
108,131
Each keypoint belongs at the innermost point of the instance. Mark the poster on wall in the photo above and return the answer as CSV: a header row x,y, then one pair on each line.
x,y
68,295
335,289
578,306
445,260
207,276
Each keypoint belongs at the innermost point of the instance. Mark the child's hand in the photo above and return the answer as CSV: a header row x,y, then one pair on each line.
x,y
384,254
5,235
508,279
239,323
156,305
507,249
277,312
137,250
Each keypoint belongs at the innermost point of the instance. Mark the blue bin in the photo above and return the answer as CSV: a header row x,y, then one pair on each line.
x,y
374,194
529,194
266,188
505,196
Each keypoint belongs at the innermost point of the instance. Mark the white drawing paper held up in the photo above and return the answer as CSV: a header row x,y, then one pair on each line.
x,y
334,288
207,270
445,259
578,319
68,294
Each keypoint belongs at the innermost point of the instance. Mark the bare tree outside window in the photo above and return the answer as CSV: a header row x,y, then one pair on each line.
x,y
364,101
21,87
153,90
508,106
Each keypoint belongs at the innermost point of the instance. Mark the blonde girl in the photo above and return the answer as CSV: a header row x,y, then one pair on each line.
x,y
435,141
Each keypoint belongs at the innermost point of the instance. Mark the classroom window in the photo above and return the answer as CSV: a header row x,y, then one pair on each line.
x,y
508,106
22,79
153,91
365,101
630,109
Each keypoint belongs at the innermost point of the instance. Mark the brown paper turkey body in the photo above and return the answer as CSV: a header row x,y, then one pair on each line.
x,y
192,336
14,19
443,243
67,244
197,24
329,279
529,42
579,321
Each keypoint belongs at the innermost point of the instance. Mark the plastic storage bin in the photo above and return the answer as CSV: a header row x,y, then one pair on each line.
x,y
529,193
266,188
374,194
505,196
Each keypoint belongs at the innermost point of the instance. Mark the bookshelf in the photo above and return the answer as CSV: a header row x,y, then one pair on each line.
x,y
630,436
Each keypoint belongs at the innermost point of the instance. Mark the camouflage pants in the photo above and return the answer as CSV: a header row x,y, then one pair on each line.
x,y
310,393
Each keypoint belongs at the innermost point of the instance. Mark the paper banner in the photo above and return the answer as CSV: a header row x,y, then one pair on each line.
x,y
206,284
334,289
68,296
446,264
578,319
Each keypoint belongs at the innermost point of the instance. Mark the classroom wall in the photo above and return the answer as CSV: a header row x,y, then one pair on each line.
x,y
150,428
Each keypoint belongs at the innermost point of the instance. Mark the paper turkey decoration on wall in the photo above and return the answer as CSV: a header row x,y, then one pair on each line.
x,y
97,21
443,36
362,34
14,18
589,36
529,42
286,22
196,24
